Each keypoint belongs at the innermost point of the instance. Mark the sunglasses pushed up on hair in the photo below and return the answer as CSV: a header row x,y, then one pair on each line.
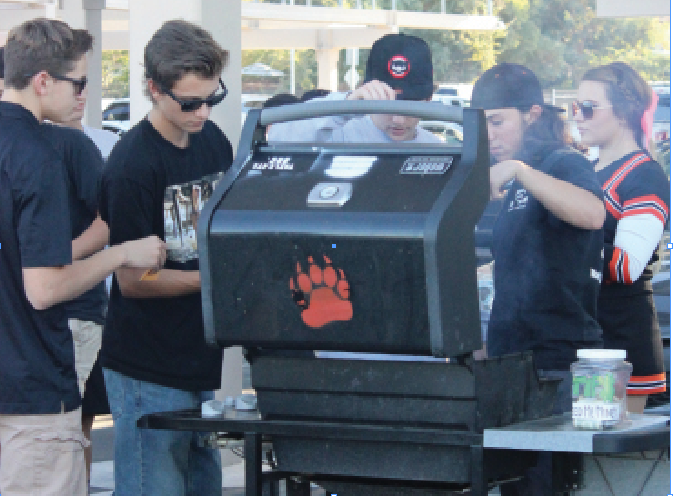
x,y
586,107
193,105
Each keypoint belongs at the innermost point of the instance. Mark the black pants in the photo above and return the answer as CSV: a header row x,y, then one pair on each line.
x,y
538,480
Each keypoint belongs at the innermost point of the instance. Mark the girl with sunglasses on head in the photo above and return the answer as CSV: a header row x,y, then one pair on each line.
x,y
614,111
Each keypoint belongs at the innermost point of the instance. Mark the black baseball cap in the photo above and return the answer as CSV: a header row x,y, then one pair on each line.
x,y
508,85
404,63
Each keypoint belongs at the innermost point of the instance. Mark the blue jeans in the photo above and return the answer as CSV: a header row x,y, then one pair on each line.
x,y
156,462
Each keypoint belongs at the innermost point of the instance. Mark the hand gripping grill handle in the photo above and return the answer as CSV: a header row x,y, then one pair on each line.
x,y
435,111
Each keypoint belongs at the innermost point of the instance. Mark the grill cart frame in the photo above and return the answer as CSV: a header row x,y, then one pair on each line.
x,y
368,427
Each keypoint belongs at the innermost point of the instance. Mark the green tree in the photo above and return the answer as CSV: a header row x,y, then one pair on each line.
x,y
561,39
458,56
306,68
558,39
115,73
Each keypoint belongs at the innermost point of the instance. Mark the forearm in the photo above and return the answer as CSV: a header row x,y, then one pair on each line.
x,y
169,283
91,241
567,202
635,241
49,286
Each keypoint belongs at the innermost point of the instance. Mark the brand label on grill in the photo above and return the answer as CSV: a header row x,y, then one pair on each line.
x,y
274,163
427,165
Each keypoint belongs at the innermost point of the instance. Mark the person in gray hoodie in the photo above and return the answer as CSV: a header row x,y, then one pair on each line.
x,y
399,67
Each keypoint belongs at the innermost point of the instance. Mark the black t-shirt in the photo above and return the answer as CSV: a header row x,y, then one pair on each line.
x,y
36,348
149,186
633,185
546,273
83,164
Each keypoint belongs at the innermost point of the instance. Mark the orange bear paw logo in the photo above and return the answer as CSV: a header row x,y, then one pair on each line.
x,y
322,293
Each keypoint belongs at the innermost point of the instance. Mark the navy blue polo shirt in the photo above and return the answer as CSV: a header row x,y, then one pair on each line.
x,y
546,272
83,165
37,373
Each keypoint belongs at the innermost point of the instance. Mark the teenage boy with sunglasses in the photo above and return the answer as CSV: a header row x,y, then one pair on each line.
x,y
154,353
40,426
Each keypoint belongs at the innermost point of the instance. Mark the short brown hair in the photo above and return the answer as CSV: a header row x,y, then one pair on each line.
x,y
42,45
178,48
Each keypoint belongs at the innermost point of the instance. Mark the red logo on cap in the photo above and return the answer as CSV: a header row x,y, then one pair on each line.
x,y
399,66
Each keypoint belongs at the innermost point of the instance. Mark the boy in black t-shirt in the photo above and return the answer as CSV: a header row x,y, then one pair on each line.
x,y
154,353
45,69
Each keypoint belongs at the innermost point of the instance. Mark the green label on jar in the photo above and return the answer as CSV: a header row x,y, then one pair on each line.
x,y
600,387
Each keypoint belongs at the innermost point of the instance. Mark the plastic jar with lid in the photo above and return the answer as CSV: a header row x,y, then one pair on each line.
x,y
599,379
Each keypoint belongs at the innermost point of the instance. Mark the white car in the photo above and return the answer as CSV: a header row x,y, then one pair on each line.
x,y
454,101
115,116
450,132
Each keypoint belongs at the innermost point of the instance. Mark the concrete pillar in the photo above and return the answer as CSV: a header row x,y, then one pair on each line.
x,y
327,58
86,14
145,18
93,23
222,19
72,12
632,8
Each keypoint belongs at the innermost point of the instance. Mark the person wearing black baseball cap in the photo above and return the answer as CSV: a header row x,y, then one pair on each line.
x,y
399,67
547,239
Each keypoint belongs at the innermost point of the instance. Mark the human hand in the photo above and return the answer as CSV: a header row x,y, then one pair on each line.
x,y
146,253
501,175
373,90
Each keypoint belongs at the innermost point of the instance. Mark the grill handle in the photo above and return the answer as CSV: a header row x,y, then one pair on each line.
x,y
426,110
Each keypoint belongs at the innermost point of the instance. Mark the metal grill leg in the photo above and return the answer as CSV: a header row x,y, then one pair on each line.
x,y
271,484
478,480
298,488
252,464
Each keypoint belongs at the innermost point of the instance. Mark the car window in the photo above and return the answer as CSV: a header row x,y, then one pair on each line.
x,y
439,131
453,137
117,111
447,91
121,113
663,112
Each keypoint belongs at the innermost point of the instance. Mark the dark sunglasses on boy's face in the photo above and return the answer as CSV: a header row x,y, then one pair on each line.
x,y
78,84
193,105
586,107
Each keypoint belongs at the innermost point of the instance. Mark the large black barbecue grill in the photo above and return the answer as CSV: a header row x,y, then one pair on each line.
x,y
367,248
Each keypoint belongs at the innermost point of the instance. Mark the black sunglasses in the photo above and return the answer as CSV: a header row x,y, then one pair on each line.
x,y
193,105
587,107
78,84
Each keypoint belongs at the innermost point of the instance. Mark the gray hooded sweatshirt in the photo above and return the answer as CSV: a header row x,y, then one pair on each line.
x,y
340,129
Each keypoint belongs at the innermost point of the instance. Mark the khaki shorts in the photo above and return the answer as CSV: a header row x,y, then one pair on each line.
x,y
87,343
42,455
